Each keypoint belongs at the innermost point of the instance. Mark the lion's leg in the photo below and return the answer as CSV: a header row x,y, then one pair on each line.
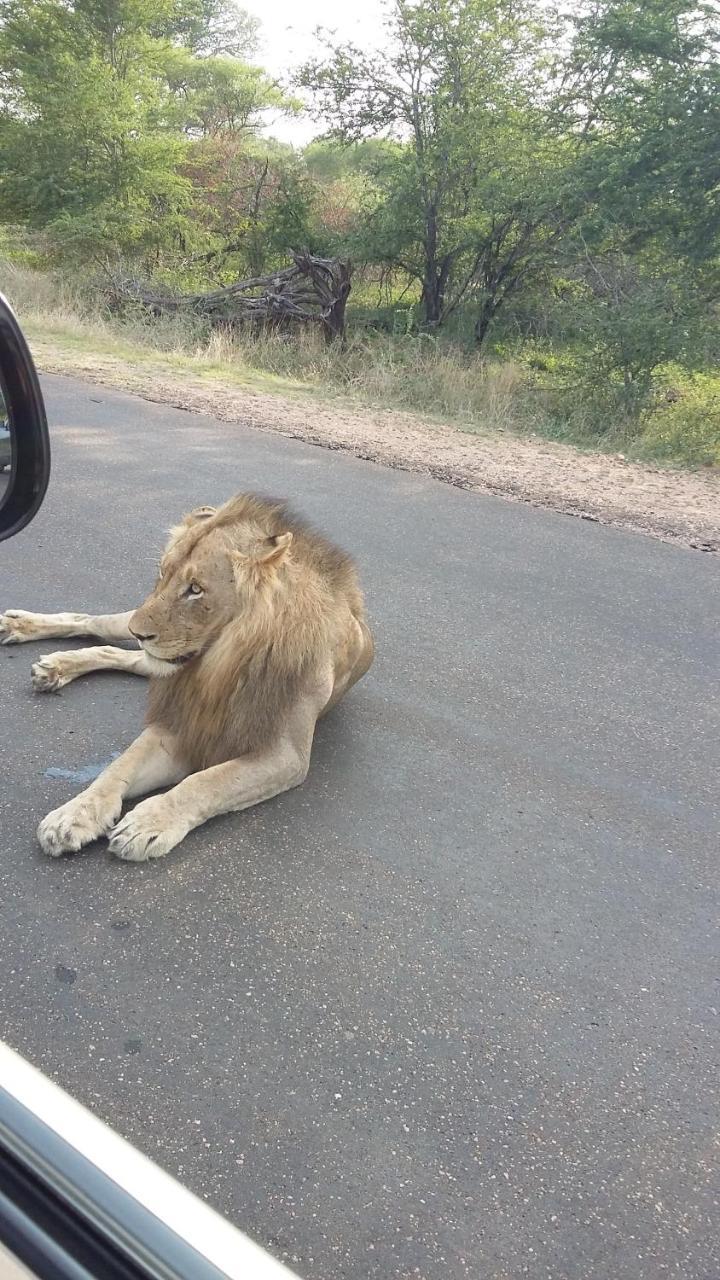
x,y
54,670
18,626
150,762
352,660
156,825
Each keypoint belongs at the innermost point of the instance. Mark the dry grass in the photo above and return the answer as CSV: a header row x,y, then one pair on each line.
x,y
420,374
414,373
178,364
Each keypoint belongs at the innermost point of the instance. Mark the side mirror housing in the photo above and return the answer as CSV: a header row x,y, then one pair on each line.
x,y
24,440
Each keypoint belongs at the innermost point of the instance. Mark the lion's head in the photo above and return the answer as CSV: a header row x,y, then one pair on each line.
x,y
216,568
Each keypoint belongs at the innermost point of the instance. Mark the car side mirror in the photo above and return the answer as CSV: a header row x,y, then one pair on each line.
x,y
24,441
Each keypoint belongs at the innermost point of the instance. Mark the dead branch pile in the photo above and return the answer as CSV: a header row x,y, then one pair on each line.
x,y
312,290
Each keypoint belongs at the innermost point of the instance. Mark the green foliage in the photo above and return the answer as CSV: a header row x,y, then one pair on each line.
x,y
212,28
100,103
643,83
683,426
217,95
469,190
252,203
328,162
530,158
629,321
539,186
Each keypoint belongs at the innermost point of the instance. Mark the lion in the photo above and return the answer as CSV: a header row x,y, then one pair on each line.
x,y
254,629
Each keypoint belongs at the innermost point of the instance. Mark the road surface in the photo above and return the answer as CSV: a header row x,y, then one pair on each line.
x,y
451,1009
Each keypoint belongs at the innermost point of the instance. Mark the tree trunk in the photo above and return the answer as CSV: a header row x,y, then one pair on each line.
x,y
433,289
484,320
432,301
312,291
334,321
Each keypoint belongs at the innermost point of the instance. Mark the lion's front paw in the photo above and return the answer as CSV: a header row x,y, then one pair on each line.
x,y
17,626
150,830
77,823
50,673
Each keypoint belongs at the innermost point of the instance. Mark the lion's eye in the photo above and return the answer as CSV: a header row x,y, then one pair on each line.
x,y
194,590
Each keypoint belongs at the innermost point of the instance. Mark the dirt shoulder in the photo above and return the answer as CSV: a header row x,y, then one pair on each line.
x,y
676,506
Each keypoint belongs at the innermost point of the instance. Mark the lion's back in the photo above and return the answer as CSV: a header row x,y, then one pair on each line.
x,y
319,554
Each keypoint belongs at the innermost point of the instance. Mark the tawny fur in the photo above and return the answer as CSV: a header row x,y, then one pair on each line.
x,y
234,699
254,629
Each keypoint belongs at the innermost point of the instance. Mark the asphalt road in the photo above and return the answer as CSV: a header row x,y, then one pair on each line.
x,y
451,1009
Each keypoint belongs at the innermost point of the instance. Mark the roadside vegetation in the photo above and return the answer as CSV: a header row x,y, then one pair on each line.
x,y
530,203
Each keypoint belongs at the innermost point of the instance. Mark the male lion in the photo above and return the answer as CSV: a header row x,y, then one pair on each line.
x,y
254,629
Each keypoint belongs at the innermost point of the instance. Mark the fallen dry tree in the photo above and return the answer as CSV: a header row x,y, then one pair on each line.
x,y
311,291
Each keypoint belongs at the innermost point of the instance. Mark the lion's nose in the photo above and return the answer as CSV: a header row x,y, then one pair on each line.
x,y
140,636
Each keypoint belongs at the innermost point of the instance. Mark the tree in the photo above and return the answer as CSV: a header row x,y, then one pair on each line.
x,y
345,193
253,200
96,117
466,196
216,95
213,28
641,93
642,84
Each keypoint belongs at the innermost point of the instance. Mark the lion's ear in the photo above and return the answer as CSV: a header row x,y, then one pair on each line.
x,y
274,550
177,531
200,513
269,555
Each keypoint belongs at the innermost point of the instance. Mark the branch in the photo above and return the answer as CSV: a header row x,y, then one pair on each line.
x,y
312,289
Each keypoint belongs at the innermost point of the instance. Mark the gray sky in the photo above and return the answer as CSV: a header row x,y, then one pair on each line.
x,y
287,39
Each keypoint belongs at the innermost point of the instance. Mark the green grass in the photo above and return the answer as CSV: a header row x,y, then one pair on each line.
x,y
521,391
685,430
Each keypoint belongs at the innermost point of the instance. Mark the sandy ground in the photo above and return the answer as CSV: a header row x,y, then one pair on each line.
x,y
674,505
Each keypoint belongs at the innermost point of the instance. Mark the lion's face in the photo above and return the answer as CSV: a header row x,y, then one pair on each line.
x,y
194,598
208,578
